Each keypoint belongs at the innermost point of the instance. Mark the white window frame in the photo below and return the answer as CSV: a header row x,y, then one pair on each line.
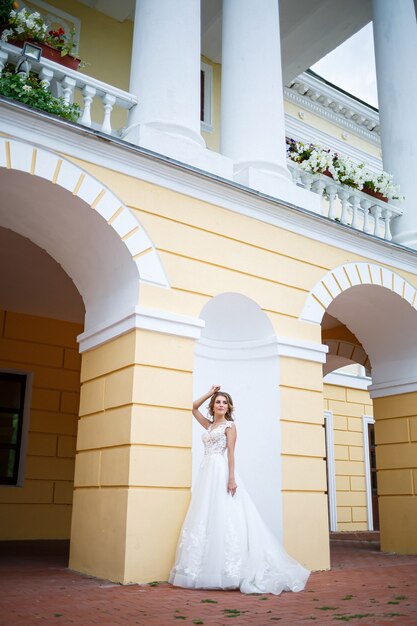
x,y
25,426
331,470
368,419
207,123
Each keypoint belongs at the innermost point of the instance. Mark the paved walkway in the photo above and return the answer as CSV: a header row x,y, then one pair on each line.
x,y
364,587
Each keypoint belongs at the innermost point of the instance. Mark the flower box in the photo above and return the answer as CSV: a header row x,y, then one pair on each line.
x,y
375,194
48,52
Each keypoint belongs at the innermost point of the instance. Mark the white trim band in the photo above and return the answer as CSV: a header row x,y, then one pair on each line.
x,y
367,419
304,350
393,387
145,319
347,380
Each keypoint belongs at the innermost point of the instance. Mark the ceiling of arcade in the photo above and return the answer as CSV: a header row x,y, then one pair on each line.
x,y
310,29
32,282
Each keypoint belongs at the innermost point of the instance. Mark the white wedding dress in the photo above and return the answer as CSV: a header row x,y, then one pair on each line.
x,y
224,543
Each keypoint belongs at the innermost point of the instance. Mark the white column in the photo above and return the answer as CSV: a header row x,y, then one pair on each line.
x,y
165,76
395,37
252,106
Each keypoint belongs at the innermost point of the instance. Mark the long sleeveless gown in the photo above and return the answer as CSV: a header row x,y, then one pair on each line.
x,y
224,543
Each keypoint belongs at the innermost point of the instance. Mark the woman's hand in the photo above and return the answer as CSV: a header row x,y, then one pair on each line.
x,y
231,487
214,389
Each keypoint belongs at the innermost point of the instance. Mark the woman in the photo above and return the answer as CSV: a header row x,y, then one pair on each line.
x,y
224,544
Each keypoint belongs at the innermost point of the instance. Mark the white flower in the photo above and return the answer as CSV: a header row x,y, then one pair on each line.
x,y
6,34
27,88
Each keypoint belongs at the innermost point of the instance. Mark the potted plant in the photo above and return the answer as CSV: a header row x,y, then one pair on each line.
x,y
57,46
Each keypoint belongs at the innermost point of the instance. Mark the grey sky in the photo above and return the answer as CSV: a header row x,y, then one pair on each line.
x,y
351,66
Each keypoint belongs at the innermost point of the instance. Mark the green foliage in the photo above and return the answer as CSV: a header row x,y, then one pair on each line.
x,y
5,7
31,91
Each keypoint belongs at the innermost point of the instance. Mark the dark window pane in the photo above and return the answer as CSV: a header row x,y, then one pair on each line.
x,y
202,93
9,427
10,392
7,463
12,397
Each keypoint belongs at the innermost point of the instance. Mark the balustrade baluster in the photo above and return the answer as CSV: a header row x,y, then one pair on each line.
x,y
355,203
108,104
387,216
46,75
344,195
376,212
3,60
318,186
366,205
306,180
331,190
88,96
68,86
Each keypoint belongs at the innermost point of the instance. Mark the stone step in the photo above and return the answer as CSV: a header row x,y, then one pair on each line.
x,y
365,535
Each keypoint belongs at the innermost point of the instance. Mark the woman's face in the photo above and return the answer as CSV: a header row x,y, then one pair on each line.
x,y
220,407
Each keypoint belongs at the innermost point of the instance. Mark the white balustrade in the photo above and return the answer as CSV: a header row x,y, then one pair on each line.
x,y
346,205
66,83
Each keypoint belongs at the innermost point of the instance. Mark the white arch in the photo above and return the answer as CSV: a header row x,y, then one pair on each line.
x,y
107,262
344,277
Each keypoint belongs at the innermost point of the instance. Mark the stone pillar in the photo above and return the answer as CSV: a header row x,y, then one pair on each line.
x,y
165,76
252,105
395,37
396,458
133,463
304,499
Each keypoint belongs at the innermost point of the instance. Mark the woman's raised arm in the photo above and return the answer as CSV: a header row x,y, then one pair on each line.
x,y
197,403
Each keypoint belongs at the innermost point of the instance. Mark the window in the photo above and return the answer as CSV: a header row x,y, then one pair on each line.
x,y
13,409
206,87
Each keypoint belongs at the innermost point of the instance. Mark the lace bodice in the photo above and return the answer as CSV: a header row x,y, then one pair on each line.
x,y
214,438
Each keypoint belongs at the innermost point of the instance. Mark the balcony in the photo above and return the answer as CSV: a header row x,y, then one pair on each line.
x,y
109,103
347,205
104,108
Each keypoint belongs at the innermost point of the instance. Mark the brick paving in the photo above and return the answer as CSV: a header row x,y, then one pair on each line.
x,y
363,587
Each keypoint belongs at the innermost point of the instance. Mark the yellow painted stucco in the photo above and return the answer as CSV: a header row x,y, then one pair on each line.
x,y
348,406
47,348
396,455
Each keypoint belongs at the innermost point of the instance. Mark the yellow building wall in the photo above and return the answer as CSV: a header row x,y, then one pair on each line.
x,y
348,406
207,250
333,130
396,458
133,456
41,509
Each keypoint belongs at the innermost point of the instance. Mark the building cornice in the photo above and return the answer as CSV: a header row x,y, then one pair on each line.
x,y
112,153
334,106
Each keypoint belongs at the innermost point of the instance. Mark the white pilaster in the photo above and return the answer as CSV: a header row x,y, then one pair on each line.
x,y
165,76
395,38
252,106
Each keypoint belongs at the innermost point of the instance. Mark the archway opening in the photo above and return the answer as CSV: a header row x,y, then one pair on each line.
x,y
375,329
238,350
41,314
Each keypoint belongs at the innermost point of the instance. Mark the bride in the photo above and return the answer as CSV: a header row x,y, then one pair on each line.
x,y
224,543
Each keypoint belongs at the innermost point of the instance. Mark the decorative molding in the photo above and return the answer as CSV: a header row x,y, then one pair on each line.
x,y
344,277
120,156
301,131
353,352
347,380
145,319
367,419
393,387
331,104
331,470
237,350
304,350
36,161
